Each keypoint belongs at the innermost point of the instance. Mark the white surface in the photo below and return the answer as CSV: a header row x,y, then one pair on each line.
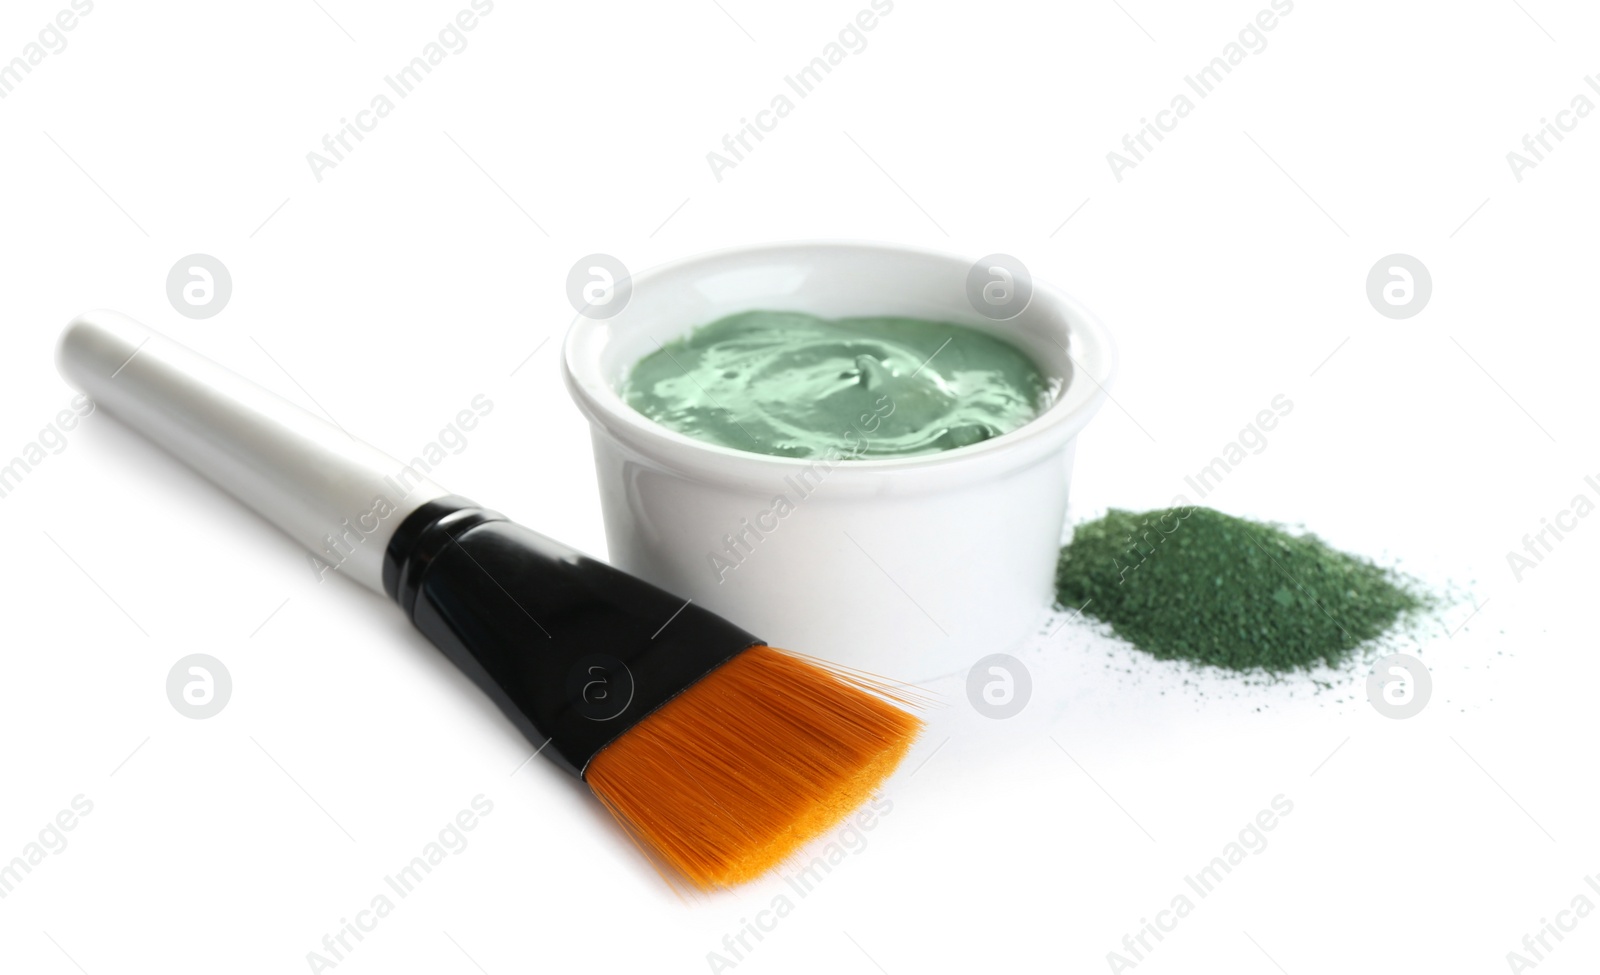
x,y
825,553
406,282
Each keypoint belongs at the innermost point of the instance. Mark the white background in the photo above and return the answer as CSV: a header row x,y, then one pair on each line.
x,y
430,264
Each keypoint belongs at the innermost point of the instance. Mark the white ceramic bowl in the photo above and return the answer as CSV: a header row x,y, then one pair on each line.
x,y
911,567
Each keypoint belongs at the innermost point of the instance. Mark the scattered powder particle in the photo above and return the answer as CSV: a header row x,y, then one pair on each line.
x,y
1198,585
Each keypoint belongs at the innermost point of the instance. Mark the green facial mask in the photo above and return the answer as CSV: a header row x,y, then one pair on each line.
x,y
795,385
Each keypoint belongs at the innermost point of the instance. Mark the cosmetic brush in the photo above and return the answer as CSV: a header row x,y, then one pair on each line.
x,y
719,755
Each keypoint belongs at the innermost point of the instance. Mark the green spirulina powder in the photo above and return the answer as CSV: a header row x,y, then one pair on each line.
x,y
1198,585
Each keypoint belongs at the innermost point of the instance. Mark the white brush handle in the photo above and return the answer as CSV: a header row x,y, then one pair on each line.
x,y
337,496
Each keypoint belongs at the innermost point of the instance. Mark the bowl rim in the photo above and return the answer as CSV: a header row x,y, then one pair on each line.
x,y
1094,359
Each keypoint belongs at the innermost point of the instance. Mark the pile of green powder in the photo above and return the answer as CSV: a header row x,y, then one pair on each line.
x,y
1198,585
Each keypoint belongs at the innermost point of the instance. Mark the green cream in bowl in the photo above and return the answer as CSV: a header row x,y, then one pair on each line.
x,y
840,447
793,384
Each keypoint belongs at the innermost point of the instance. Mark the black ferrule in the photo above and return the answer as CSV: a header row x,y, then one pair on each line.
x,y
574,651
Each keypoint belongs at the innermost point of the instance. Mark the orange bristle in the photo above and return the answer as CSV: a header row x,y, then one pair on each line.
x,y
765,753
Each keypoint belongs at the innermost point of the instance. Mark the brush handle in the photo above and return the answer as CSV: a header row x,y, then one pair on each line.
x,y
338,497
574,651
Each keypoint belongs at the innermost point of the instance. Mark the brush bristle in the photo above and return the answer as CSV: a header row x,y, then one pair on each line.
x,y
763,754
